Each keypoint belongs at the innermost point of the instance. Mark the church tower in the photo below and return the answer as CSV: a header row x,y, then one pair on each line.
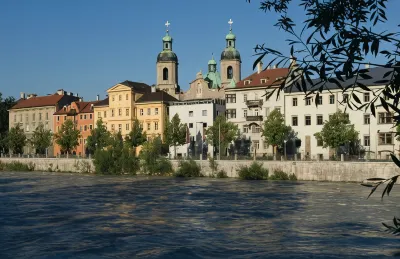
x,y
230,60
167,67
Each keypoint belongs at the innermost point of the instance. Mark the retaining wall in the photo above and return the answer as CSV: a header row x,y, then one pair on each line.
x,y
334,171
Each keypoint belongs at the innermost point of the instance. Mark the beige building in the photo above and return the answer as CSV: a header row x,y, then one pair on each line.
x,y
31,110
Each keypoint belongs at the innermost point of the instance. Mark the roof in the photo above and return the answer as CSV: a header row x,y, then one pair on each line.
x,y
104,102
159,96
41,101
137,87
272,75
83,107
166,56
376,73
230,53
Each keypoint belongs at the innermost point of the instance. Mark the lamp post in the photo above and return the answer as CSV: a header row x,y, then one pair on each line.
x,y
284,148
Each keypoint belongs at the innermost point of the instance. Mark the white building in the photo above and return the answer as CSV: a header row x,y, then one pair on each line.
x,y
198,115
246,105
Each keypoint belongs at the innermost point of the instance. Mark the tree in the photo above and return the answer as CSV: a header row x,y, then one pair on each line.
x,y
67,137
222,131
175,132
337,131
136,136
337,38
41,139
275,131
16,139
5,105
99,137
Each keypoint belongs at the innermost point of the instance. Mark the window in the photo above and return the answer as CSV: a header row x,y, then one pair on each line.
x,y
255,96
127,112
148,111
366,97
165,73
244,97
84,117
85,128
385,138
266,112
156,111
65,117
40,116
81,128
204,112
155,125
229,72
190,125
90,126
190,113
263,81
105,114
20,117
99,114
47,116
265,144
120,97
26,118
15,118
295,121
345,98
148,126
231,113
294,101
256,144
112,112
112,127
141,112
90,116
320,120
33,117
127,96
119,112
385,118
308,101
367,119
119,127
231,98
367,141
319,100
331,99
81,116
320,143
245,129
113,98
308,120
204,124
245,113
256,129
127,126
58,118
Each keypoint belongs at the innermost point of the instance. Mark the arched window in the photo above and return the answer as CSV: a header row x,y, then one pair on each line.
x,y
229,72
166,45
165,73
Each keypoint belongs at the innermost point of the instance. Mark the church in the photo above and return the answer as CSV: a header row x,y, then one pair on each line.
x,y
211,85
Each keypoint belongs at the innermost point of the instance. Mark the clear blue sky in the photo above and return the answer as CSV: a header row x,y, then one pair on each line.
x,y
87,46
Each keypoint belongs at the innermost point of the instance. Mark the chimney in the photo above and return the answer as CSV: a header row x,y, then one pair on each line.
x,y
153,88
91,107
80,99
97,97
22,95
274,67
259,67
71,93
292,60
60,92
269,67
77,95
367,66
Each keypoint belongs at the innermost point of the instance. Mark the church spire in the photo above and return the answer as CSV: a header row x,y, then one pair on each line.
x,y
167,40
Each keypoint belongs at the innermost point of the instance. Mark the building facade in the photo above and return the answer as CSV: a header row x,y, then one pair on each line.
x,y
199,115
32,110
82,114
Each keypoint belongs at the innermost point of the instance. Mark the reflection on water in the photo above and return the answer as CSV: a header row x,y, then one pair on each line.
x,y
49,215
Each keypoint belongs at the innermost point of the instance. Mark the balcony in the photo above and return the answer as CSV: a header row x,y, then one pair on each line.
x,y
254,118
254,103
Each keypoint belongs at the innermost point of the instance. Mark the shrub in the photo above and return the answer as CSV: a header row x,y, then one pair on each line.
x,y
188,168
253,172
161,167
18,166
282,176
222,174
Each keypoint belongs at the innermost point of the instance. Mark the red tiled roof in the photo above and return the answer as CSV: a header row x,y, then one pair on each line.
x,y
87,107
40,101
83,107
272,75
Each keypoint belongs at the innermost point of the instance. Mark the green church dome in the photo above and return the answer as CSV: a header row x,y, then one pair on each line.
x,y
167,38
230,36
230,54
167,55
212,61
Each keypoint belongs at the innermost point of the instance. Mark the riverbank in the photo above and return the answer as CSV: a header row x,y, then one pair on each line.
x,y
332,171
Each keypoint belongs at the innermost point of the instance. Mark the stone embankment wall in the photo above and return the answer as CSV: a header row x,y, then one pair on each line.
x,y
307,170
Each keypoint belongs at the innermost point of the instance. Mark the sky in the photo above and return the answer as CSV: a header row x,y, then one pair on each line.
x,y
87,46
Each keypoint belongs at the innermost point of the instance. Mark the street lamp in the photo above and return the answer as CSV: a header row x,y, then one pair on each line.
x,y
284,148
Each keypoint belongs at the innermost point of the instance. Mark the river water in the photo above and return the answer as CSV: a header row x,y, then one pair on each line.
x,y
50,215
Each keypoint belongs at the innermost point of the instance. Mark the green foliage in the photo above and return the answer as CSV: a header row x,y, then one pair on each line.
x,y
223,130
213,164
188,168
5,105
221,174
16,139
282,176
214,169
136,136
67,137
16,166
175,132
41,139
117,159
274,129
337,131
253,172
99,137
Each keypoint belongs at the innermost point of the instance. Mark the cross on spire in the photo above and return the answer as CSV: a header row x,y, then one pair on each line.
x,y
167,24
230,24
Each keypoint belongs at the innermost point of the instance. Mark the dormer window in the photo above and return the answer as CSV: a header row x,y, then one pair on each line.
x,y
264,81
247,82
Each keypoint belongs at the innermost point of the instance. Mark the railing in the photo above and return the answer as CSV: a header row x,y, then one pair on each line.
x,y
254,118
252,103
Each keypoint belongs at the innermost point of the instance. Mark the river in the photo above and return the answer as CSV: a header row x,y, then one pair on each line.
x,y
55,215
